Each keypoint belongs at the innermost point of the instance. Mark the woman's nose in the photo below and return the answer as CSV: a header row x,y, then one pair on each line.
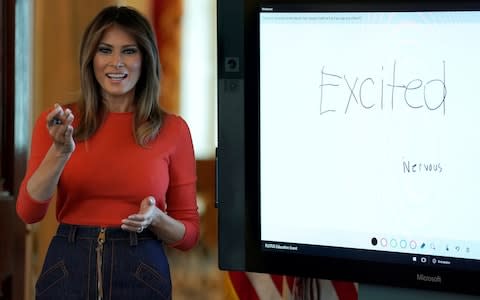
x,y
117,61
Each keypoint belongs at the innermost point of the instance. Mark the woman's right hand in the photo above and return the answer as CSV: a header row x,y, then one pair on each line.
x,y
59,124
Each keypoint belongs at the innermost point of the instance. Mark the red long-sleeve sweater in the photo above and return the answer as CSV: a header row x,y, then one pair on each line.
x,y
108,176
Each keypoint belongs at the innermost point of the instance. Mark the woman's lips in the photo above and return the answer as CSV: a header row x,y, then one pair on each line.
x,y
116,76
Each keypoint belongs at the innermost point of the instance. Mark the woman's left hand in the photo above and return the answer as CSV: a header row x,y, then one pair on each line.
x,y
141,220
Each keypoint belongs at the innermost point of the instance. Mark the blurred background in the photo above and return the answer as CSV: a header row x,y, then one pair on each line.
x,y
44,38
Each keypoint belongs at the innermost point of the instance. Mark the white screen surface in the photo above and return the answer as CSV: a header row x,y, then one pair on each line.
x,y
369,129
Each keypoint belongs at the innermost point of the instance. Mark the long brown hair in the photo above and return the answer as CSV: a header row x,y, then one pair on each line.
x,y
148,114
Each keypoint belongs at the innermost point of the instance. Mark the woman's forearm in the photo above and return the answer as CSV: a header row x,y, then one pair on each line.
x,y
42,184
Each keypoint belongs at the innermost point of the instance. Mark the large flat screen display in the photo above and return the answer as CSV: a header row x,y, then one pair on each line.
x,y
359,142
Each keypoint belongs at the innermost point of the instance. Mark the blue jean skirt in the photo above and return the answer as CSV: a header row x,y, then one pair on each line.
x,y
104,263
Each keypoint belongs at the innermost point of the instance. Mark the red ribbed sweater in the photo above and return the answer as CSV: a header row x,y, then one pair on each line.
x,y
108,176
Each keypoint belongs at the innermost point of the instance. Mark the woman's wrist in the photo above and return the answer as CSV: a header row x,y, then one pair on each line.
x,y
59,154
166,228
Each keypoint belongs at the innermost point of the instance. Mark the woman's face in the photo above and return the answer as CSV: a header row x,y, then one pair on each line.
x,y
117,64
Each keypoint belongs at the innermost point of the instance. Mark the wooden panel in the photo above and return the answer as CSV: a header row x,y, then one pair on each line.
x,y
7,48
166,19
12,165
7,266
206,193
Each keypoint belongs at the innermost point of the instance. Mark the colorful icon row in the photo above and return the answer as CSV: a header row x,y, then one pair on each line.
x,y
394,243
412,244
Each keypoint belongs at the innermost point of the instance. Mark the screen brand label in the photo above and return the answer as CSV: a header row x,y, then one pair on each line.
x,y
434,279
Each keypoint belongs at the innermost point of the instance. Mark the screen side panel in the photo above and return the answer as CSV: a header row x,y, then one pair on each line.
x,y
231,136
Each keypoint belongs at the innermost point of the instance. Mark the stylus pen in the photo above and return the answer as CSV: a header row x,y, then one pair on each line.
x,y
55,121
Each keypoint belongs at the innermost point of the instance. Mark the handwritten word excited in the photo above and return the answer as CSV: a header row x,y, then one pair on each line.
x,y
360,91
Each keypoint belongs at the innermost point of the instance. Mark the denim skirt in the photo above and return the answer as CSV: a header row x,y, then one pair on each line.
x,y
104,263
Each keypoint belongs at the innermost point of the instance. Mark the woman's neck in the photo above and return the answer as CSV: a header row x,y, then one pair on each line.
x,y
119,105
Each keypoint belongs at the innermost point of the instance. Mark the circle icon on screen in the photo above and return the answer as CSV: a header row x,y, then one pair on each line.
x,y
383,242
403,243
413,244
374,241
393,243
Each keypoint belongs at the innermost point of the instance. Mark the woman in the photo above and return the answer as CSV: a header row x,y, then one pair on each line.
x,y
123,171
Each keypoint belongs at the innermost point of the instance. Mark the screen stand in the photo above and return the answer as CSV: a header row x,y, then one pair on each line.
x,y
376,292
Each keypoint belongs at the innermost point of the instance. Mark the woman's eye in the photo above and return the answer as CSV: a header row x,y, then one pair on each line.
x,y
104,50
130,51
